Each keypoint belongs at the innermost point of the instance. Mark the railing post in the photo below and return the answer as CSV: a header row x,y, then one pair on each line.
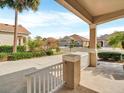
x,y
71,70
29,85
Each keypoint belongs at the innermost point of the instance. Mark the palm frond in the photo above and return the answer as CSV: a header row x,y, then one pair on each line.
x,y
20,5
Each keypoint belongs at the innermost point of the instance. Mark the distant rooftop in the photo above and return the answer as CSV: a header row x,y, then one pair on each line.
x,y
10,29
79,38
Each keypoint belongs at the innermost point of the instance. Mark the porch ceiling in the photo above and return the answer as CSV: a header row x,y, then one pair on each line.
x,y
95,11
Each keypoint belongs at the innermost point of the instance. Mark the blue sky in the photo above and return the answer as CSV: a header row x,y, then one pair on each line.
x,y
53,20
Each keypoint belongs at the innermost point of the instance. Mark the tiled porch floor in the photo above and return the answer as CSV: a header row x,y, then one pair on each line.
x,y
106,78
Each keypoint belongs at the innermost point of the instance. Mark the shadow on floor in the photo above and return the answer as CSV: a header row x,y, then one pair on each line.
x,y
108,70
80,89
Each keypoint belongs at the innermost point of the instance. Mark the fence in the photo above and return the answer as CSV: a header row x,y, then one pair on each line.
x,y
45,80
49,79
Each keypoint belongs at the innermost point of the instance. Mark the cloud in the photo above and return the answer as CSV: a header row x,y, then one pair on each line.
x,y
44,19
109,30
56,24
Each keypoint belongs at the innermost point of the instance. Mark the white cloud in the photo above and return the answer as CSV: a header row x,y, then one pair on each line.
x,y
6,21
44,19
109,30
55,19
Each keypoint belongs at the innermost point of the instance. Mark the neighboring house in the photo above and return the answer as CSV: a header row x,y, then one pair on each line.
x,y
7,34
52,42
103,39
79,41
63,42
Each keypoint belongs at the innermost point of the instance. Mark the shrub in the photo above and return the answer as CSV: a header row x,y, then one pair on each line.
x,y
110,56
122,56
58,49
3,56
26,55
21,48
39,54
8,49
49,52
20,55
98,46
116,56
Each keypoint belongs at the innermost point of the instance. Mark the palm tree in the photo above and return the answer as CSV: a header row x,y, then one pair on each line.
x,y
19,6
116,40
2,3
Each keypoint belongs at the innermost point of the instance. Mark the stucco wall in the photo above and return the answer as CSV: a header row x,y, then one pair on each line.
x,y
7,38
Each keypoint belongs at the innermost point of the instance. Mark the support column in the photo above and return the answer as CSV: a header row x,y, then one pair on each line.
x,y
93,46
26,43
71,70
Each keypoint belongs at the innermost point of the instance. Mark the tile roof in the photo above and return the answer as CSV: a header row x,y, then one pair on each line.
x,y
51,39
10,29
79,38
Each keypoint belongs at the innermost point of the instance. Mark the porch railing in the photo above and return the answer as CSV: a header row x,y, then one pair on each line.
x,y
84,61
45,80
49,79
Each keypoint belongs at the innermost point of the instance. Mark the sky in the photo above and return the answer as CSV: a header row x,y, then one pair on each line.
x,y
53,20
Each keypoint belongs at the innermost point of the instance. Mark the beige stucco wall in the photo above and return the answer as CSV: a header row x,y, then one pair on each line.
x,y
7,38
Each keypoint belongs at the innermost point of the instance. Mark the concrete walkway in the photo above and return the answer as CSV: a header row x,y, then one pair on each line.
x,y
106,78
12,73
37,63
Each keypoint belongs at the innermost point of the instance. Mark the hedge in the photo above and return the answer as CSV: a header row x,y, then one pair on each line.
x,y
3,57
39,54
25,55
8,49
115,56
49,52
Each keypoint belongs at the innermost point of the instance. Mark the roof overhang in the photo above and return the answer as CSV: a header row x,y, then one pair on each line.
x,y
95,11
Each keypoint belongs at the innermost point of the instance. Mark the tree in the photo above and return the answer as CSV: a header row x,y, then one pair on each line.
x,y
116,40
19,6
2,3
72,44
36,44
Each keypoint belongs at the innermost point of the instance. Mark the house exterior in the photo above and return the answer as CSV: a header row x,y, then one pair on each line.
x,y
79,41
7,34
63,42
102,40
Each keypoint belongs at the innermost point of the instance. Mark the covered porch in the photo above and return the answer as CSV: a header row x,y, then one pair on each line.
x,y
105,78
94,13
67,77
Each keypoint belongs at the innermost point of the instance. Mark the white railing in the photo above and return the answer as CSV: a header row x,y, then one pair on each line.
x,y
49,79
46,80
84,61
